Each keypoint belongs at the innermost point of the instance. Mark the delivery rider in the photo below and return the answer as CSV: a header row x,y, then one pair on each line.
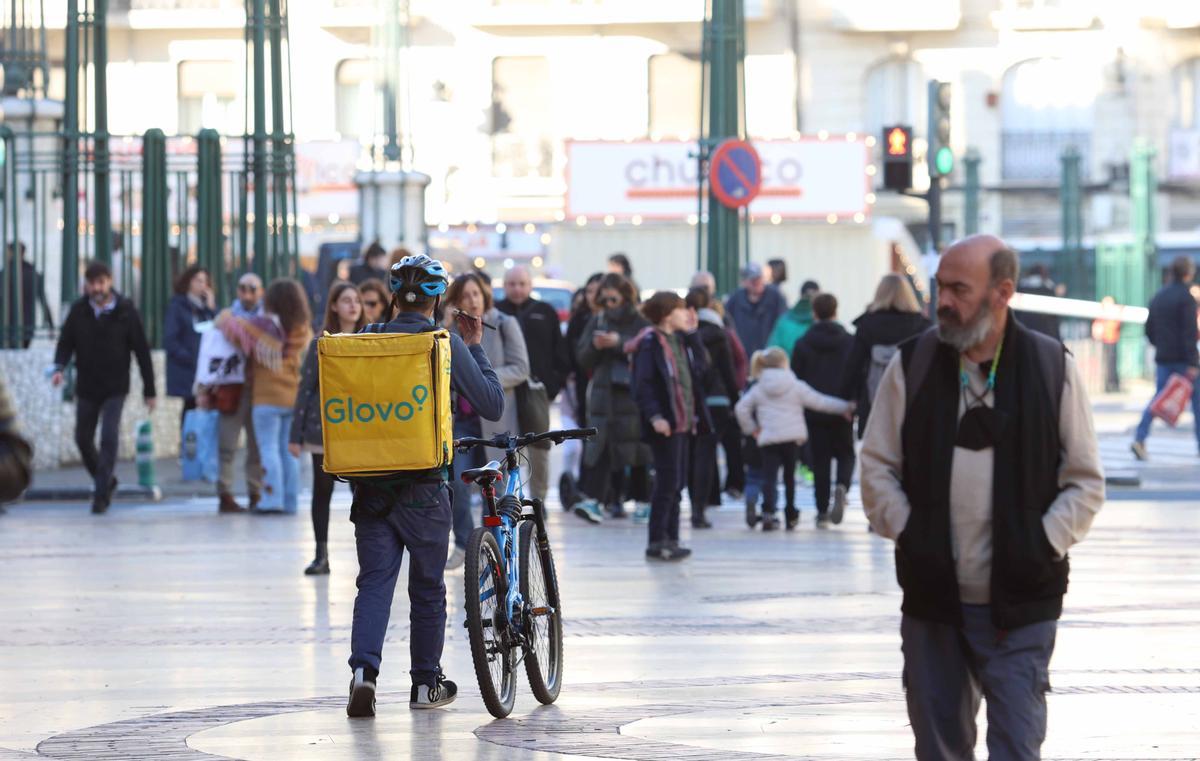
x,y
413,515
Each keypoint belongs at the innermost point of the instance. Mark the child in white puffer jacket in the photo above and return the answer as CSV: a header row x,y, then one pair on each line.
x,y
772,411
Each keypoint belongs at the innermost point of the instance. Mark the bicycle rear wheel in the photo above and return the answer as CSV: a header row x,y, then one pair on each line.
x,y
539,587
487,627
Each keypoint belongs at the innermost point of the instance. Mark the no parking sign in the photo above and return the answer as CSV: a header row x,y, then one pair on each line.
x,y
735,173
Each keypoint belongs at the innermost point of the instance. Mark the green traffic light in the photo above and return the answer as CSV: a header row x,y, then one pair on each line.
x,y
943,160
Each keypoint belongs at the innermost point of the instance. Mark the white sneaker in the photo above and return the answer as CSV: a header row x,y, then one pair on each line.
x,y
641,513
457,557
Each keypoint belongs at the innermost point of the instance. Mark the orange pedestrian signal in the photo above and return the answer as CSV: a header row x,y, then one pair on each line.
x,y
897,157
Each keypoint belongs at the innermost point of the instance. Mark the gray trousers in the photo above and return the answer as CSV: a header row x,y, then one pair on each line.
x,y
947,670
539,475
100,465
229,430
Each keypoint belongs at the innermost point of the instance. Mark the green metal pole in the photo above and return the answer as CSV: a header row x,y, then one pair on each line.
x,y
1072,219
723,123
389,86
971,192
155,267
260,174
209,240
70,167
280,240
1142,189
103,208
10,331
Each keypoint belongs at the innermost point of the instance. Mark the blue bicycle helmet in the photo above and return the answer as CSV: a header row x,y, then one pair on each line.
x,y
418,275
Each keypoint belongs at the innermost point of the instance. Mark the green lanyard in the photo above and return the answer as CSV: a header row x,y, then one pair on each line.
x,y
991,379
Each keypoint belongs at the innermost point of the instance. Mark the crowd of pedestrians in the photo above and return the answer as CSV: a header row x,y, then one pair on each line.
x,y
675,385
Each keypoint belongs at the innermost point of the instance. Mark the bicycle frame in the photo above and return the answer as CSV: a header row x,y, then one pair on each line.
x,y
503,528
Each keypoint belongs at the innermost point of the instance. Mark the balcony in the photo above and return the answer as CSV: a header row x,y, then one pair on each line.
x,y
593,13
1035,157
890,16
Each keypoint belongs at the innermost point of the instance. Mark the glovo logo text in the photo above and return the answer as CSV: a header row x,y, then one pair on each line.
x,y
344,410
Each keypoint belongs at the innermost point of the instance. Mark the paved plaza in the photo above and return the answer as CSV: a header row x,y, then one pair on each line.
x,y
166,631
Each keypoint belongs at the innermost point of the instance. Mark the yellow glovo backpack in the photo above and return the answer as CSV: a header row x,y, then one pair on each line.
x,y
385,402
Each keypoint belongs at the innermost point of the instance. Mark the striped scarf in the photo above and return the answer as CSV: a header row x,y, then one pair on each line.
x,y
260,337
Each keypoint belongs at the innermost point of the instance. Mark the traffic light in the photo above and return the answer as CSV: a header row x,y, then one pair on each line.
x,y
940,155
897,158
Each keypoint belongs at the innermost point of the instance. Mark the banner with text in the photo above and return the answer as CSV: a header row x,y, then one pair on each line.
x,y
805,178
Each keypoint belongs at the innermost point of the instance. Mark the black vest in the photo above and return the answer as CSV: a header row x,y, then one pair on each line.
x,y
1027,583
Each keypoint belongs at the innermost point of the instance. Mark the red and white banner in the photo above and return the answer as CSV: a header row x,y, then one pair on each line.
x,y
807,178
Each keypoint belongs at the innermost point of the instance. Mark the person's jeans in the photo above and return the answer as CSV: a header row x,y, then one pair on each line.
x,y
947,670
670,473
419,522
463,518
1163,373
322,493
830,441
99,465
281,471
774,458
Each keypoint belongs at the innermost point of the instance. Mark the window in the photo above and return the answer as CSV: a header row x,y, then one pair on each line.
x,y
1046,107
521,117
1186,81
674,91
896,94
354,98
208,97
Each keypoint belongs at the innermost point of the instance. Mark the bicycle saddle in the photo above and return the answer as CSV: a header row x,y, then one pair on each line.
x,y
486,474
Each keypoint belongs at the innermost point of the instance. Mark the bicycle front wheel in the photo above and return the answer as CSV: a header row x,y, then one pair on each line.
x,y
487,625
544,646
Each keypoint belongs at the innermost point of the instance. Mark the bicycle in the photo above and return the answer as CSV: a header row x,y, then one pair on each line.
x,y
514,614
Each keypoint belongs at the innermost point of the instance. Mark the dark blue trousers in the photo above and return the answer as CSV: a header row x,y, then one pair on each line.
x,y
947,670
420,523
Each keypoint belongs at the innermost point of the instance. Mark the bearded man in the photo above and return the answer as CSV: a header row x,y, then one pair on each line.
x,y
980,462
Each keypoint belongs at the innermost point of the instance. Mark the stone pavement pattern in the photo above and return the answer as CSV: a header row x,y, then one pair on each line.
x,y
165,631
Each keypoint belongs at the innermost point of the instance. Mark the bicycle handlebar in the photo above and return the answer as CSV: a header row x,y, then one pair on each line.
x,y
505,441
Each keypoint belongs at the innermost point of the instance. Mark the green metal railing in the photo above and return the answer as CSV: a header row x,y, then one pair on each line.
x,y
148,205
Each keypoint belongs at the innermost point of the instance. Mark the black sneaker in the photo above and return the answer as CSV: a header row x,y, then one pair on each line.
x,y
667,553
442,692
769,522
823,520
362,693
791,518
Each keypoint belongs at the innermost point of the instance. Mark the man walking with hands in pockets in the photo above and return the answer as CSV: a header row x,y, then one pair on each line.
x,y
980,461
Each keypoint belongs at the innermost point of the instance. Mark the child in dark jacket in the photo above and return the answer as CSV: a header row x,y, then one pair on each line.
x,y
820,359
668,373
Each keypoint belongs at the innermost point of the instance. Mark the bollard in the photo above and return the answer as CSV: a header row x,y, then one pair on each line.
x,y
145,454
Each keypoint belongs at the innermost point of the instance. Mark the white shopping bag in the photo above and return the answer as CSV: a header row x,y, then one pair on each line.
x,y
220,362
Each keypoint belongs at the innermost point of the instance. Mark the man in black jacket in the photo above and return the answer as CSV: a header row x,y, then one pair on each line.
x,y
819,359
547,366
102,329
1171,328
981,462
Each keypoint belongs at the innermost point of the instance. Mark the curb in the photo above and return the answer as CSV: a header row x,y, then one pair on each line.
x,y
77,494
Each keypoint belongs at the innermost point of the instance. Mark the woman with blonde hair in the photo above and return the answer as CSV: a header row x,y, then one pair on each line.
x,y
772,413
893,317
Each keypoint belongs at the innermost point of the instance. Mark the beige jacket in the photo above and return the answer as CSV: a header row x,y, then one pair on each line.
x,y
1080,478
